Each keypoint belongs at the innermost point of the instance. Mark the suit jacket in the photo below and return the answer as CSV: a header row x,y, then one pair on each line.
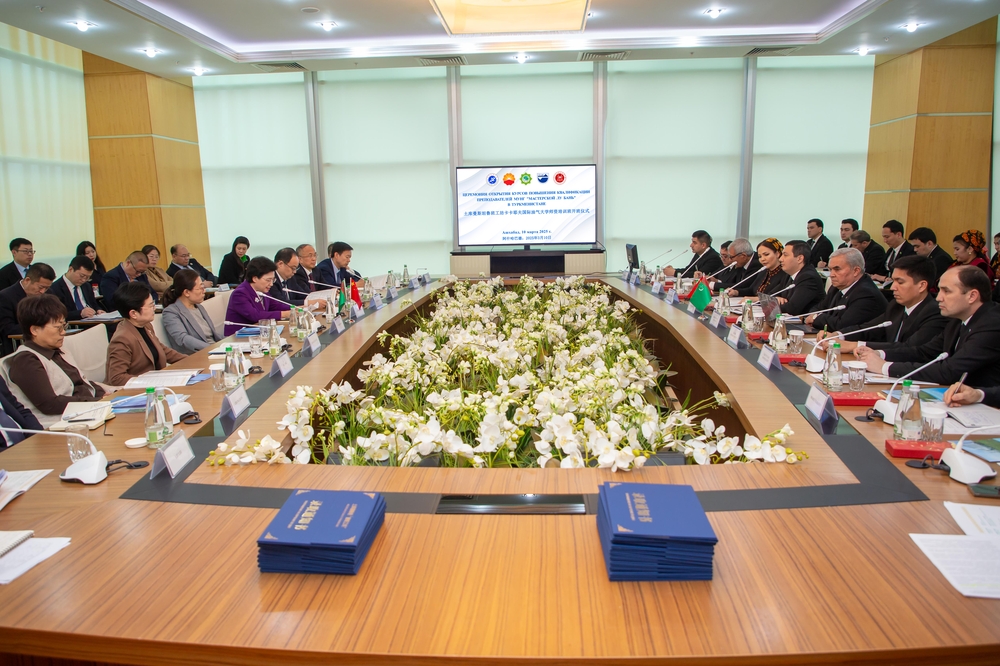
x,y
843,245
247,307
129,356
821,250
21,415
709,262
863,301
734,274
185,332
992,396
62,291
193,264
807,294
778,281
942,261
292,290
874,256
904,250
974,349
303,277
9,276
9,298
114,279
232,269
921,326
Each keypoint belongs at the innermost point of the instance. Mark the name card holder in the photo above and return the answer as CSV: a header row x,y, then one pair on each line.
x,y
671,296
376,302
737,338
172,456
625,275
414,283
657,287
338,325
224,287
283,364
427,278
357,311
635,280
311,344
820,411
393,293
715,320
769,359
235,403
692,309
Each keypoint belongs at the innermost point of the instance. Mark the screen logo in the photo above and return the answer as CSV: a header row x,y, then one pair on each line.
x,y
526,178
492,179
560,177
508,178
543,178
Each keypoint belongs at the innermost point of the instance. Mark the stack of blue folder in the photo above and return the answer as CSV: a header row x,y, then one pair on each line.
x,y
654,532
321,531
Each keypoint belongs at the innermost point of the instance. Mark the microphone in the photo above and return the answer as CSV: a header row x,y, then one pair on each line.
x,y
668,253
812,354
885,407
265,295
762,268
724,268
965,468
89,470
692,265
802,317
295,291
791,286
323,284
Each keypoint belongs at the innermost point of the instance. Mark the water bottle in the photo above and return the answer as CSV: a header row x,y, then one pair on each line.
x,y
241,363
232,372
912,421
293,321
724,306
154,420
301,322
833,373
747,319
168,419
642,272
406,274
274,343
779,336
390,281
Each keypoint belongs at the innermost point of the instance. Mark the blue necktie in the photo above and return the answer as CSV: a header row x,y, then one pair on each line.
x,y
7,422
77,298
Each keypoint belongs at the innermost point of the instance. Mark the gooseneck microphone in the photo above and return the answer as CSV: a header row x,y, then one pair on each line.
x,y
885,407
761,269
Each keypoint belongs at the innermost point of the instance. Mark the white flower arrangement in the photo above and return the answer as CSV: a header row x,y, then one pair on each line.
x,y
545,374
244,452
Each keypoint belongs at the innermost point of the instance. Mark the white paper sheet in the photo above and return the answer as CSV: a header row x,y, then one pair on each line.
x,y
27,555
18,483
975,416
975,519
970,563
107,316
161,379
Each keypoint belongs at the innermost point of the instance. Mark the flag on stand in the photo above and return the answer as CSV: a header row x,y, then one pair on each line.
x,y
701,296
355,294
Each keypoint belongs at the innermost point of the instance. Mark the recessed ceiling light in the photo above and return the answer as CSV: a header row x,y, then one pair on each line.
x,y
327,25
715,12
198,71
150,51
83,26
309,10
911,27
590,14
862,50
521,58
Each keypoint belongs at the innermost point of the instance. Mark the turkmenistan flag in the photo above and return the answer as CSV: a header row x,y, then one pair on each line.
x,y
701,297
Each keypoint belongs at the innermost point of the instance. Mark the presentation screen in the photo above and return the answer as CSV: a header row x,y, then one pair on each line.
x,y
527,205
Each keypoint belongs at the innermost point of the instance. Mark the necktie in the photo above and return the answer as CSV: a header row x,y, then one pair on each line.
x,y
7,422
961,336
900,330
811,243
309,278
890,260
78,298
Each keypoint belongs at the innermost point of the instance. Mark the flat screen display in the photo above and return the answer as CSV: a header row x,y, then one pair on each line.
x,y
527,205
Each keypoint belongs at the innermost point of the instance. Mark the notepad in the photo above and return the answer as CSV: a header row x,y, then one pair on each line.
x,y
91,414
161,379
18,483
25,556
11,540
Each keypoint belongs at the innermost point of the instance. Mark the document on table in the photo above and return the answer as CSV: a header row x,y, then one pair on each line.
x,y
18,483
953,427
107,316
161,379
28,554
975,519
970,563
975,416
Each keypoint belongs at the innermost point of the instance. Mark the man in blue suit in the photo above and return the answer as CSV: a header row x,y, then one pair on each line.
x,y
333,271
133,269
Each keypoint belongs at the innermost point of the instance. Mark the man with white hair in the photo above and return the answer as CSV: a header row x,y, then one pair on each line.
x,y
744,263
852,288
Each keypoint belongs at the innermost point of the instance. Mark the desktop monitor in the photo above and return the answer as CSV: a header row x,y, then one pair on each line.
x,y
632,254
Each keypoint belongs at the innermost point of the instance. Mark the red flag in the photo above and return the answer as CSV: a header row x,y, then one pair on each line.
x,y
355,294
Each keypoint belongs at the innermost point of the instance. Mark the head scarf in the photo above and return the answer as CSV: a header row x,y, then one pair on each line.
x,y
772,244
975,239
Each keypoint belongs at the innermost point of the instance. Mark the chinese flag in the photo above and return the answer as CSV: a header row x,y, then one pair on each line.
x,y
355,294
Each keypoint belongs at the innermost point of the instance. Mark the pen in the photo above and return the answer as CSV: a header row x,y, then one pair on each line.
x,y
961,380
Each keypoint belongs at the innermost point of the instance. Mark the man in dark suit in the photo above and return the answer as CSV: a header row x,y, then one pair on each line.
x,y
851,288
75,291
966,395
705,260
915,315
808,291
892,236
744,263
872,252
36,281
133,269
847,227
924,243
820,247
334,270
288,287
971,337
307,264
180,257
12,415
23,253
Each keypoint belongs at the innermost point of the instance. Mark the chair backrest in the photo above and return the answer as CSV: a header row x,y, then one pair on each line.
x,y
89,351
217,306
161,333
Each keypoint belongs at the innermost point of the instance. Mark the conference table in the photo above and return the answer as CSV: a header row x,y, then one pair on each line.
x,y
814,562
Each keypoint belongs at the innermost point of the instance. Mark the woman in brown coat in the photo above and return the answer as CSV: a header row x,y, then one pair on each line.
x,y
134,348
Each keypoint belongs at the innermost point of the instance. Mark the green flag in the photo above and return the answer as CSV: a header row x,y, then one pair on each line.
x,y
701,297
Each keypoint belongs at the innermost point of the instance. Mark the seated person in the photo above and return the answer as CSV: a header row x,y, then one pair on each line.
x,y
772,279
924,242
287,285
872,252
970,250
87,249
42,376
133,269
820,247
807,292
333,271
744,263
847,227
158,278
852,288
892,236
74,290
234,264
705,260
914,313
22,253
307,265
180,257
188,325
37,280
966,395
14,415
971,337
249,303
134,348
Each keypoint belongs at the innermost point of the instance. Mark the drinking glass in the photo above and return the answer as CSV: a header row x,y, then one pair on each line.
x,y
256,347
218,377
79,448
932,422
795,339
856,374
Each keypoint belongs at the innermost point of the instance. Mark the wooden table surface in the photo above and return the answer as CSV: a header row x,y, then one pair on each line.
x,y
151,583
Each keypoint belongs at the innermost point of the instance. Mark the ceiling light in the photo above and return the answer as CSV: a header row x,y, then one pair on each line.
x,y
715,12
327,25
861,50
150,51
83,26
911,27
309,10
198,71
521,58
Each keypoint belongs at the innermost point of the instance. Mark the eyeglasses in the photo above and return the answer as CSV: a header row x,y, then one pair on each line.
x,y
59,327
28,252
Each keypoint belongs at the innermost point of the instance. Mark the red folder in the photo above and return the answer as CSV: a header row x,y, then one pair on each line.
x,y
732,319
760,336
788,358
854,398
898,448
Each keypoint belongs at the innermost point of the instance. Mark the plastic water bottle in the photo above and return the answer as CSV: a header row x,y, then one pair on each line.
x,y
232,372
834,372
912,421
747,319
168,420
241,363
293,321
779,336
406,274
642,272
274,343
724,306
331,309
154,420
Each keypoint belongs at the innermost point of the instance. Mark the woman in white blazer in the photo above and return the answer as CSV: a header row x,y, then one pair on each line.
x,y
188,325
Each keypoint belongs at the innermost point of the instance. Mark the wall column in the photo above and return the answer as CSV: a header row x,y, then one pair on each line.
x,y
145,165
930,140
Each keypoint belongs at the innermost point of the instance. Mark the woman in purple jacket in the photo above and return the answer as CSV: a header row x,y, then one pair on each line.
x,y
249,302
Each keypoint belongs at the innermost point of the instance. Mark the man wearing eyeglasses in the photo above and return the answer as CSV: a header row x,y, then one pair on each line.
x,y
744,264
180,258
24,253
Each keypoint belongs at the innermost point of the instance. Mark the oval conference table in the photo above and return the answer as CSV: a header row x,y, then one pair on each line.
x,y
814,562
